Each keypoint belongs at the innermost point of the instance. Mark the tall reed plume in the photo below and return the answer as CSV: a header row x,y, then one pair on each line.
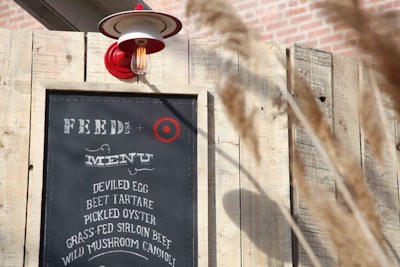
x,y
378,36
221,18
352,224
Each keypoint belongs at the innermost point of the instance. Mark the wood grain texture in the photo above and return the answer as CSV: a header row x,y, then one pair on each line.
x,y
346,125
96,71
316,68
266,235
383,177
15,88
224,184
239,222
57,56
171,65
346,122
202,179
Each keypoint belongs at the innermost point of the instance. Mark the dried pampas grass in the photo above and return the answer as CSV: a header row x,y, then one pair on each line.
x,y
352,224
378,35
341,226
233,99
358,201
221,18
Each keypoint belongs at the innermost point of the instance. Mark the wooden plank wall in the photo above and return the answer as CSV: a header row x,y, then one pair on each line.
x,y
15,90
336,83
246,227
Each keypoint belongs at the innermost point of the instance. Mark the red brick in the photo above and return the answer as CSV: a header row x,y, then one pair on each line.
x,y
16,19
350,35
267,36
340,27
311,25
295,11
301,19
312,43
3,7
296,38
277,25
331,39
318,33
385,6
287,31
272,17
288,20
342,46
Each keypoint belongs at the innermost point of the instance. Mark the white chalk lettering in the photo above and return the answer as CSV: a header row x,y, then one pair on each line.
x,y
101,215
96,127
160,253
96,202
112,242
84,126
110,185
125,199
140,187
132,214
73,255
100,127
133,229
117,160
104,229
160,238
68,125
80,237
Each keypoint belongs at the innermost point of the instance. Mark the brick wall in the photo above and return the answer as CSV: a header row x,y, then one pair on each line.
x,y
12,16
287,21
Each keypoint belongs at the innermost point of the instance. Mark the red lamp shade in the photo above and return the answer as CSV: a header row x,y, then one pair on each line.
x,y
133,29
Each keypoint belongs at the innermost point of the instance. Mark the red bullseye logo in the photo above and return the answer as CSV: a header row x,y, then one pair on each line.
x,y
166,129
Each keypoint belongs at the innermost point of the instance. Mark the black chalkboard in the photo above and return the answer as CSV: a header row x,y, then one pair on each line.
x,y
119,180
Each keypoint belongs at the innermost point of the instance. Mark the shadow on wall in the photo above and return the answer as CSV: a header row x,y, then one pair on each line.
x,y
268,219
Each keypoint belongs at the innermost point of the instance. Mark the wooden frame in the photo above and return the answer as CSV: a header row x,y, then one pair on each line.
x,y
37,139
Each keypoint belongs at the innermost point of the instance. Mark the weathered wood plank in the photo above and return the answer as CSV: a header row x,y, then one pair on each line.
x,y
224,189
15,88
266,235
345,105
58,56
382,177
202,181
346,124
171,65
96,71
316,67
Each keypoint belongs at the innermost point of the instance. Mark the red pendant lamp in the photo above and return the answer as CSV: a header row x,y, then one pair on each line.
x,y
139,32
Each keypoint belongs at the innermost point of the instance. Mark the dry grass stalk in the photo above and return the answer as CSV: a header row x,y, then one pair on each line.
x,y
359,212
348,169
237,37
369,118
377,35
341,226
233,98
221,17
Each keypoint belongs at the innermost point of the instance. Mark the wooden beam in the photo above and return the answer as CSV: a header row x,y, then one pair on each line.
x,y
15,90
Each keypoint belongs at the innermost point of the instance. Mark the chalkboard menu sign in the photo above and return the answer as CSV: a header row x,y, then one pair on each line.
x,y
119,180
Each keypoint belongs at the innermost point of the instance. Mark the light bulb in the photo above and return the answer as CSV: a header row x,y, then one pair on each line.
x,y
140,63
